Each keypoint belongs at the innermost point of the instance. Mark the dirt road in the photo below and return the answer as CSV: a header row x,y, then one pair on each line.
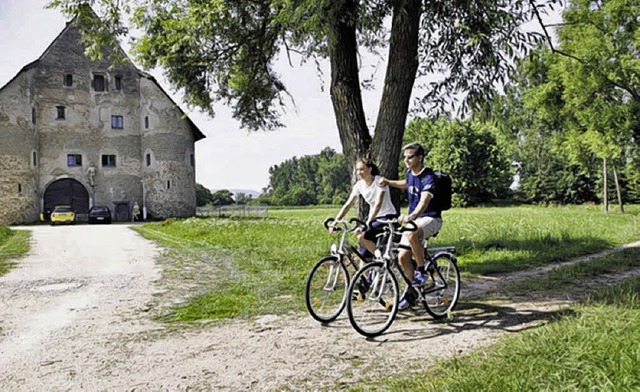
x,y
74,316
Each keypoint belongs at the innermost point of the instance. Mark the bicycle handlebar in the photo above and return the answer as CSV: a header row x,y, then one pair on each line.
x,y
392,220
358,223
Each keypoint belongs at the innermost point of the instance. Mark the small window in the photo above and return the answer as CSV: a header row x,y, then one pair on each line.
x,y
19,188
74,160
168,184
99,83
118,83
193,160
148,159
68,80
34,157
146,122
60,115
117,122
108,160
33,116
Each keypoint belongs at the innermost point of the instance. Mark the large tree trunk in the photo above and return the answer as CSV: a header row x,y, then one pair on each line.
x,y
398,85
346,95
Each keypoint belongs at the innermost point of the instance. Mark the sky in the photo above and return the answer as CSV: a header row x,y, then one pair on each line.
x,y
229,157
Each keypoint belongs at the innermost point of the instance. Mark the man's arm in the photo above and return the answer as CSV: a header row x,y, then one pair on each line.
x,y
400,184
425,198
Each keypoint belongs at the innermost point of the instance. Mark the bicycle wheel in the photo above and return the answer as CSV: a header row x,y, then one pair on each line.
x,y
326,289
372,303
441,293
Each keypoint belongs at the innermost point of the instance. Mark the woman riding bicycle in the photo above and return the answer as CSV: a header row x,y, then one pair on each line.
x,y
376,196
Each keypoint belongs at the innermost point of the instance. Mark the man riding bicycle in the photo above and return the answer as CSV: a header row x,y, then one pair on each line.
x,y
420,184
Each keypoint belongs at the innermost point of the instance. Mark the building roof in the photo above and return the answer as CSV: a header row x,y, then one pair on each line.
x,y
198,135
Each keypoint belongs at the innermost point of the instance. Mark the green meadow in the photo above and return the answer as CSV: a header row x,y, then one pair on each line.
x,y
263,262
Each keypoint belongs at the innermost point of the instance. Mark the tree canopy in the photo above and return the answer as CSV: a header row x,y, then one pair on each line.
x,y
225,51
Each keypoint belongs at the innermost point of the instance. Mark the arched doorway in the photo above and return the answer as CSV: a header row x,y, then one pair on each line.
x,y
67,191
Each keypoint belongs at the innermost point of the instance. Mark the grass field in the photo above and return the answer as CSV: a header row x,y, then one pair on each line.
x,y
593,348
261,266
268,259
13,245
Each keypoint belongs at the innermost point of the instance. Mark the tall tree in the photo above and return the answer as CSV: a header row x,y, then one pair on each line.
x,y
599,75
225,50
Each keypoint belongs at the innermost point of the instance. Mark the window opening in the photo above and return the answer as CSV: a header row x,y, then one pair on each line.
x,y
148,159
109,160
68,80
117,122
74,160
99,83
60,115
118,80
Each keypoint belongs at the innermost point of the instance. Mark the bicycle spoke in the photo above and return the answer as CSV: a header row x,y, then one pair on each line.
x,y
372,311
442,295
326,290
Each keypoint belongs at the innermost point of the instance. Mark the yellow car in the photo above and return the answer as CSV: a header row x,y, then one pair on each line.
x,y
63,214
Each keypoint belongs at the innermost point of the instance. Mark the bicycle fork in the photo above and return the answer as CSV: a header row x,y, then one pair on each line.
x,y
332,278
378,284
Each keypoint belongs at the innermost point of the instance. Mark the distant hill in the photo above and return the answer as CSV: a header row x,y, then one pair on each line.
x,y
254,194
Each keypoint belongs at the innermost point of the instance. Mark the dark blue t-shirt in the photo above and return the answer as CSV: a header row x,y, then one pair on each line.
x,y
423,182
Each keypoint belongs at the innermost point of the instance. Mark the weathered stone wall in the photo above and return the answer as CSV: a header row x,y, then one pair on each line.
x,y
18,143
166,187
169,180
87,127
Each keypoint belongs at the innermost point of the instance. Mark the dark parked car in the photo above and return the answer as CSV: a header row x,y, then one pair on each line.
x,y
99,214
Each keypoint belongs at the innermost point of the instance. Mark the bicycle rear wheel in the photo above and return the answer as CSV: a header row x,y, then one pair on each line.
x,y
326,290
442,292
372,303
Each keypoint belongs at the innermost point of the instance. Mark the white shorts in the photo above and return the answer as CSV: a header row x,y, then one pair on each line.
x,y
429,226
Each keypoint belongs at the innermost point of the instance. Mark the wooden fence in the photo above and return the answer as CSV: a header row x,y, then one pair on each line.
x,y
245,211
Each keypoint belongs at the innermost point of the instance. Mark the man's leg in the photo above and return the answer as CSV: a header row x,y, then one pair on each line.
x,y
409,296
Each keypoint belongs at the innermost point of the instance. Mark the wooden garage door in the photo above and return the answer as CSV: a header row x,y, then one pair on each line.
x,y
67,192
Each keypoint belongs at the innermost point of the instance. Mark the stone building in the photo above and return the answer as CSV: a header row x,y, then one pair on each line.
x,y
78,132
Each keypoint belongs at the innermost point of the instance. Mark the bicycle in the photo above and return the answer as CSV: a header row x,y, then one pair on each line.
x,y
374,291
329,279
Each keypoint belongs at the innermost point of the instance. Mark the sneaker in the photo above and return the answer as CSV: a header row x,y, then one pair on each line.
x,y
408,299
418,279
364,284
404,304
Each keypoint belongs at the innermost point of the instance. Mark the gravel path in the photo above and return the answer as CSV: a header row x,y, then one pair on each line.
x,y
74,316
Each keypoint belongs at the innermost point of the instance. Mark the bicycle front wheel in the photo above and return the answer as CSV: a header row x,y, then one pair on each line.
x,y
326,290
442,293
372,303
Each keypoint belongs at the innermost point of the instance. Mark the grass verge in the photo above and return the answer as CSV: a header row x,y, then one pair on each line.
x,y
13,245
596,348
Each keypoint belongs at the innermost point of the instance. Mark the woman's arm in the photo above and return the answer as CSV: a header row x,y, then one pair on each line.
x,y
347,205
373,212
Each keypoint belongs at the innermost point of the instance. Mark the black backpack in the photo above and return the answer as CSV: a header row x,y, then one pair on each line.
x,y
442,198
